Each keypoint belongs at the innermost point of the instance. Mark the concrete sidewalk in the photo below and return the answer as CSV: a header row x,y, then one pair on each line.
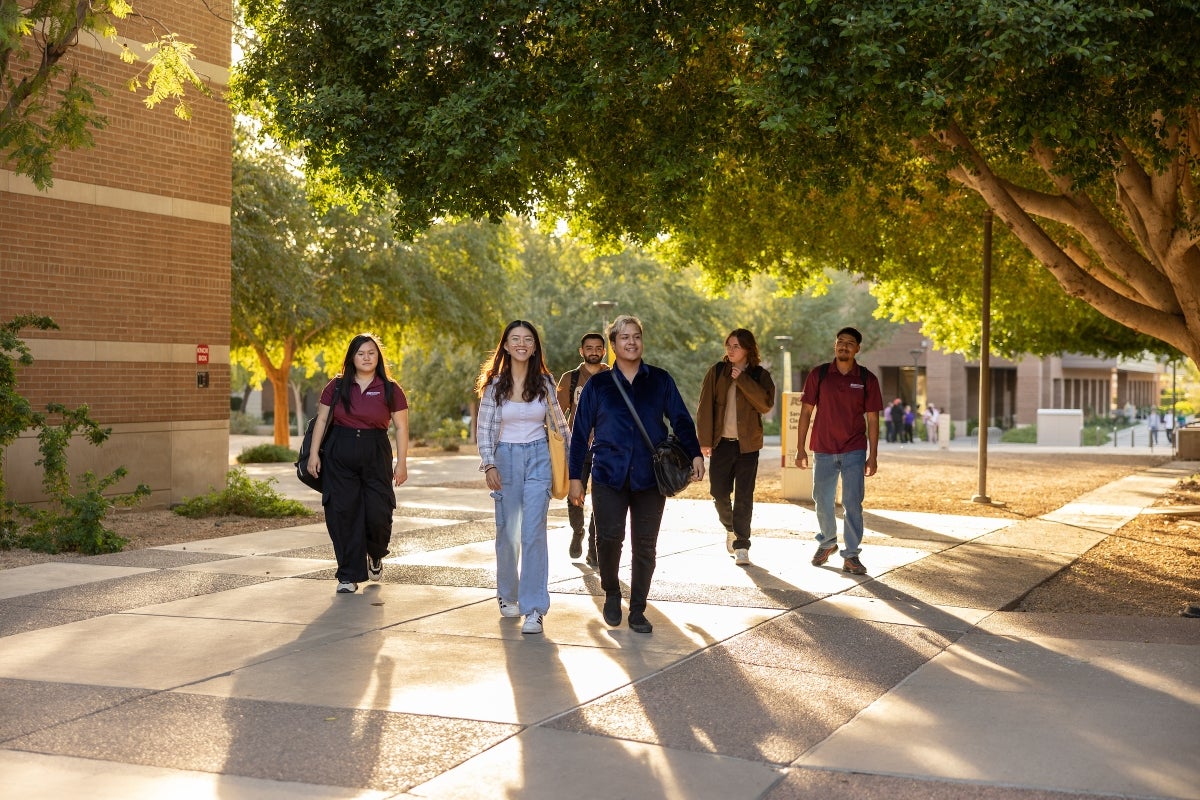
x,y
229,668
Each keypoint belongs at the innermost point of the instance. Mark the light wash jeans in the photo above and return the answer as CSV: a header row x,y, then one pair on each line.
x,y
522,558
827,468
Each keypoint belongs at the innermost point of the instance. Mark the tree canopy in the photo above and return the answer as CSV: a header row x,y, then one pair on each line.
x,y
785,137
303,282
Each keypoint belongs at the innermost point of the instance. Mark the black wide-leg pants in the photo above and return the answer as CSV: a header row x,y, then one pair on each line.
x,y
356,472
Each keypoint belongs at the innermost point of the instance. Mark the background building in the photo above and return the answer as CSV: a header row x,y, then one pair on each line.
x,y
909,368
129,253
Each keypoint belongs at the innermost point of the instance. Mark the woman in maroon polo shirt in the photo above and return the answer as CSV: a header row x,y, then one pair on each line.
x,y
358,496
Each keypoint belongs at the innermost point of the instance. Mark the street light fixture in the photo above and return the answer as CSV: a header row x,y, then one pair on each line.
x,y
785,344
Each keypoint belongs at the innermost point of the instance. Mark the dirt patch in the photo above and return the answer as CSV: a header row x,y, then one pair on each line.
x,y
158,527
1151,567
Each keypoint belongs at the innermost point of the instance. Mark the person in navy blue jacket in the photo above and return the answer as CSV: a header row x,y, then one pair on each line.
x,y
623,483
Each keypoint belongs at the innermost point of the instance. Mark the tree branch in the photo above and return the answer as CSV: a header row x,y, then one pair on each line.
x,y
1144,277
1075,278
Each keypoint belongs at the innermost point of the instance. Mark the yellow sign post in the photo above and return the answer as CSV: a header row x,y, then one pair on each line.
x,y
794,483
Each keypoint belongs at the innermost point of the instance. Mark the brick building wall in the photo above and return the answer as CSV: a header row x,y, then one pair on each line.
x,y
128,252
1019,388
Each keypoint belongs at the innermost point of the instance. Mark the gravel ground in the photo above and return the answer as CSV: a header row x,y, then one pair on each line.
x,y
1151,567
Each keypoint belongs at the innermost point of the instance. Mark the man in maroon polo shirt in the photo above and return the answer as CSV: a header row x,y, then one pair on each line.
x,y
845,444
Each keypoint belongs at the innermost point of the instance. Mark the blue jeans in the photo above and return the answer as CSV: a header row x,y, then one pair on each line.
x,y
827,468
522,560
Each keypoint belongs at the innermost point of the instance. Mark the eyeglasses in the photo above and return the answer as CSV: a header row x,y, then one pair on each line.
x,y
520,340
734,346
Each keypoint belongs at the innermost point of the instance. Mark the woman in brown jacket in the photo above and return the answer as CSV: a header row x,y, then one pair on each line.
x,y
736,392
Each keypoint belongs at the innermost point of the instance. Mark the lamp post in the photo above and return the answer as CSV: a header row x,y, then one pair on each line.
x,y
1174,417
916,354
985,364
785,364
605,308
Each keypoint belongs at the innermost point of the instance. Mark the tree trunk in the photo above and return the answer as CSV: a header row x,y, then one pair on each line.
x,y
300,420
282,434
279,382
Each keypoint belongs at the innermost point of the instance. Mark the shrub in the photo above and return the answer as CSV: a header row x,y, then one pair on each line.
x,y
268,454
244,424
69,521
450,435
1023,435
1094,435
242,496
80,526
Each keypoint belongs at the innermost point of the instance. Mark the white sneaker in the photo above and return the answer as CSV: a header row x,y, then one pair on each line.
x,y
374,568
347,587
533,622
741,557
730,538
509,609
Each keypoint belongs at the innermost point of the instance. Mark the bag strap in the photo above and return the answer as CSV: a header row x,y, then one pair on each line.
x,y
636,419
549,412
337,387
824,370
574,385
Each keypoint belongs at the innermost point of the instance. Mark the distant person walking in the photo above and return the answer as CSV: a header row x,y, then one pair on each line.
x,y
734,395
1154,423
517,401
358,497
570,385
845,444
894,420
910,418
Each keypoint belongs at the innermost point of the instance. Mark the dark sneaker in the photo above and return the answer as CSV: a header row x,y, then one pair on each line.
x,y
638,622
612,610
591,559
823,553
854,566
576,549
374,568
